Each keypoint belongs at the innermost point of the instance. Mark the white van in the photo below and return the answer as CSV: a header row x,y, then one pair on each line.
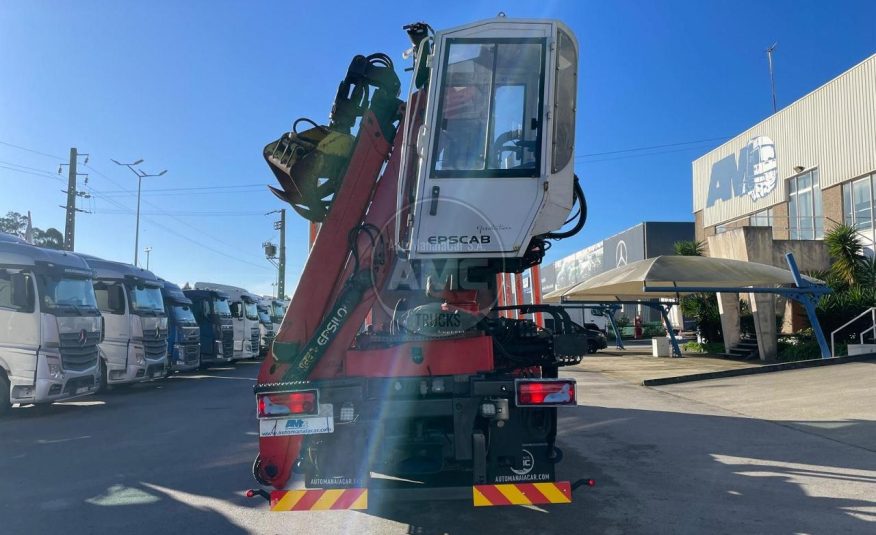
x,y
244,314
135,345
50,326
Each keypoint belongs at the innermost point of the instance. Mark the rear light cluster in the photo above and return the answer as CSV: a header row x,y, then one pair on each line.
x,y
545,392
280,404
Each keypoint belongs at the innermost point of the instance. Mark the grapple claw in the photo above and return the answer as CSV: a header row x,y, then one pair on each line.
x,y
309,167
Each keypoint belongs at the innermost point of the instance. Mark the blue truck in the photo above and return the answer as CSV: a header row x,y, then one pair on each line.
x,y
184,334
213,315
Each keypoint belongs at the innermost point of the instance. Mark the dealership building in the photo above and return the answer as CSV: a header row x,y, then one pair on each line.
x,y
800,171
780,185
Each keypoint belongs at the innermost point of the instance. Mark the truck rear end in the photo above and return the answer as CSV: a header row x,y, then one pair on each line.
x,y
394,369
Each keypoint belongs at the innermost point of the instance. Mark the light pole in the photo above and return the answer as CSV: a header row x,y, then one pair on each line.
x,y
147,250
140,176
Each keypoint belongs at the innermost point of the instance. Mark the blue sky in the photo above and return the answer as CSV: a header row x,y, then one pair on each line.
x,y
200,87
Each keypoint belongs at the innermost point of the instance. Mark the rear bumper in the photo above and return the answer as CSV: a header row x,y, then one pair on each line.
x,y
544,493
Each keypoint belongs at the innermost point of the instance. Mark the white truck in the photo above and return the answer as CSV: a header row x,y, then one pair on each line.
x,y
135,345
50,326
244,313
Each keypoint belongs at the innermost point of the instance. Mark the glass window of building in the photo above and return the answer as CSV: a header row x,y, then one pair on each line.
x,y
805,210
858,203
859,209
764,218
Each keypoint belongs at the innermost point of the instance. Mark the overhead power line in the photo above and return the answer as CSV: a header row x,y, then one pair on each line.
x,y
14,146
644,155
182,213
184,223
24,170
193,188
651,147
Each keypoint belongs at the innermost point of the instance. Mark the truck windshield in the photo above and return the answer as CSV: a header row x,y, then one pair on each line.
x,y
250,311
220,307
278,311
146,299
263,316
61,292
183,314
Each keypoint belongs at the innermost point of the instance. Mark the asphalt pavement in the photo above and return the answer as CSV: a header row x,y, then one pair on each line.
x,y
719,456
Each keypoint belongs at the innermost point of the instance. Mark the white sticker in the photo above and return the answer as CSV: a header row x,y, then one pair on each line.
x,y
302,425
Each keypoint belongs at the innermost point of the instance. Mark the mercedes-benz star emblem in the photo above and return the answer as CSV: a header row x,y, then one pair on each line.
x,y
83,337
620,254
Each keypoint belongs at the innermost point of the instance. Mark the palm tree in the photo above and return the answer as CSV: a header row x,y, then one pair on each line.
x,y
690,248
844,246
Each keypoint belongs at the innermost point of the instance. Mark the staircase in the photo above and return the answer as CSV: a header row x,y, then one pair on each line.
x,y
746,349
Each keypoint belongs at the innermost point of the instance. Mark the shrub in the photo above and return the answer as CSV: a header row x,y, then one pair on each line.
x,y
712,348
803,349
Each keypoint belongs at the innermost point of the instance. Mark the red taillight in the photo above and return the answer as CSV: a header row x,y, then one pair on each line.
x,y
280,404
541,392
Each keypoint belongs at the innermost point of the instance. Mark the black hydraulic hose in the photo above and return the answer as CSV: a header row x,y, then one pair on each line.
x,y
582,217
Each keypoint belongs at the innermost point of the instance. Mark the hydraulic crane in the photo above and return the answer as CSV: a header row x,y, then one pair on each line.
x,y
392,368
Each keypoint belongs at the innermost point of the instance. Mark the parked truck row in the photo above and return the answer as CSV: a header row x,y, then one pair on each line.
x,y
72,324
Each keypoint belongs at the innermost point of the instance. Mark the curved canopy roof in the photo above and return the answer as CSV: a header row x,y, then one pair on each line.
x,y
632,281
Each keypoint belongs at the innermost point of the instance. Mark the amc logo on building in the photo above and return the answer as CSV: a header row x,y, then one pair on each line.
x,y
752,172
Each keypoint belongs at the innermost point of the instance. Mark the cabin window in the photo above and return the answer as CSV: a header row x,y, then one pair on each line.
x,y
490,109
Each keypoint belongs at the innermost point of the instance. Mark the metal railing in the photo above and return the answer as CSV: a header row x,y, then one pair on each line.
x,y
871,311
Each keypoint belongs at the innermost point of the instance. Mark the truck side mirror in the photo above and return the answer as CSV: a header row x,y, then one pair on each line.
x,y
116,298
20,295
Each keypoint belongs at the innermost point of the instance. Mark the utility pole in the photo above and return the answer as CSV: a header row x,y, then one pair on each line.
x,y
281,281
70,222
769,52
70,225
147,250
269,250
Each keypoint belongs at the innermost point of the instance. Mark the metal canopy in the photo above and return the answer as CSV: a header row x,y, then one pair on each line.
x,y
673,276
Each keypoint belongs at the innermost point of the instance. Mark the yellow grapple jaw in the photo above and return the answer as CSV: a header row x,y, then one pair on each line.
x,y
309,166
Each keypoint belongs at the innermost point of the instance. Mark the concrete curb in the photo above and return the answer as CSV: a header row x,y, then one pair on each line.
x,y
800,364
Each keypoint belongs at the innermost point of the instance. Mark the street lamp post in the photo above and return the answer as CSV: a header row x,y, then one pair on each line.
x,y
140,176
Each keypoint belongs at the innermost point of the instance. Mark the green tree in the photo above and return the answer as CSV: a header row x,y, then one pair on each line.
x,y
852,277
844,247
51,238
13,223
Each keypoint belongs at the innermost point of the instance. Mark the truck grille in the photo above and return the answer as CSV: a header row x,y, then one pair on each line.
x,y
269,337
76,355
192,345
254,338
155,347
191,353
227,342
